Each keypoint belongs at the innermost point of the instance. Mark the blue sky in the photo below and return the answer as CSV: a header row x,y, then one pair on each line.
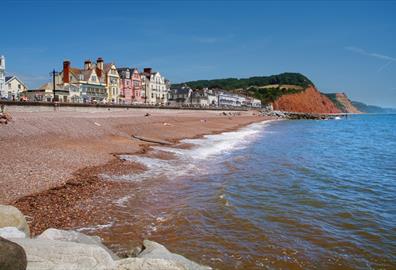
x,y
341,46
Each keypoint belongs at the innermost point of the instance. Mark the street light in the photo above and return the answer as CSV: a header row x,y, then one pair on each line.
x,y
53,73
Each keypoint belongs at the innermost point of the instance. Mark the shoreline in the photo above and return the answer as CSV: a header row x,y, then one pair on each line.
x,y
57,206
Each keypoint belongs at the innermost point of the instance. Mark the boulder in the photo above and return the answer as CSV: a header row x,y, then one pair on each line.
x,y
11,232
73,236
153,250
12,256
148,264
10,216
45,254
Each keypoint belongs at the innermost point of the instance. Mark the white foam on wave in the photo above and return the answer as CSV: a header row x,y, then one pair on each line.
x,y
218,144
191,161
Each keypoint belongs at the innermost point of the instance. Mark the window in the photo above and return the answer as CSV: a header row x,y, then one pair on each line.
x,y
94,78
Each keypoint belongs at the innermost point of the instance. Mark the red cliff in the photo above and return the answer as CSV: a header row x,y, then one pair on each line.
x,y
308,101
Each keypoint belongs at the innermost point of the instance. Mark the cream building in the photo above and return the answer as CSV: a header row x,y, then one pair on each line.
x,y
96,82
112,83
15,87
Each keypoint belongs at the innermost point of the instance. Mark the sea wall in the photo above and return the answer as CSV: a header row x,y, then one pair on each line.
x,y
18,106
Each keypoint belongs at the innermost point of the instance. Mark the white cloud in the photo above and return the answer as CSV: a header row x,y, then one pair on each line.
x,y
372,54
361,51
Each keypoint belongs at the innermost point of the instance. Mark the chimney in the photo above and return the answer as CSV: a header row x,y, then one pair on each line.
x,y
66,71
99,66
87,64
147,70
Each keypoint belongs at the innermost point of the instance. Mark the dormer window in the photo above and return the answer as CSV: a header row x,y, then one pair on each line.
x,y
94,78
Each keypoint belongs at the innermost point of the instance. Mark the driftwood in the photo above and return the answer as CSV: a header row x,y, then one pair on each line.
x,y
151,140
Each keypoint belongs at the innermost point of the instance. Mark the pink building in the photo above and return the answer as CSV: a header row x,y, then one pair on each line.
x,y
125,85
136,86
130,86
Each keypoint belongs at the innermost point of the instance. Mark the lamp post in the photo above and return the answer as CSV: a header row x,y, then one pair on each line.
x,y
53,73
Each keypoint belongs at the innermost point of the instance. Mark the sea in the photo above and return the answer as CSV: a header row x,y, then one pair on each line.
x,y
302,194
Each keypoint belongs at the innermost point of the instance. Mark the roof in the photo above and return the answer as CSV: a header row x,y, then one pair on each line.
x,y
107,67
181,91
75,71
9,78
49,86
87,74
122,72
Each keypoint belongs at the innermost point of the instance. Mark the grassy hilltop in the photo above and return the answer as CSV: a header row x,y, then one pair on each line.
x,y
265,88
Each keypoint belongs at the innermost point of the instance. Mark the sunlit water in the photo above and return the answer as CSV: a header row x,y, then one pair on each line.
x,y
273,195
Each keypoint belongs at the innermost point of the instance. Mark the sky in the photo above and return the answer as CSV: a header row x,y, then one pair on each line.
x,y
342,46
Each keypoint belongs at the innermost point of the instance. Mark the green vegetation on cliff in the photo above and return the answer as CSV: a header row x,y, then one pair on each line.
x,y
265,88
268,95
296,79
333,98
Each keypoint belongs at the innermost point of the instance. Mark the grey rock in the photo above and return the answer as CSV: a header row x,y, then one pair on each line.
x,y
148,264
153,250
45,254
77,237
10,216
11,232
12,256
132,252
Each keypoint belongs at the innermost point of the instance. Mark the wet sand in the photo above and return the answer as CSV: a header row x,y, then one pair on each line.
x,y
53,160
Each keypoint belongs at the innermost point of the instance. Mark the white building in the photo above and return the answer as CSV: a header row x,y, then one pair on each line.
x,y
15,87
226,99
3,88
155,87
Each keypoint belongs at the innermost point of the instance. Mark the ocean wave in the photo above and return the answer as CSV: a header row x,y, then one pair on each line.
x,y
192,160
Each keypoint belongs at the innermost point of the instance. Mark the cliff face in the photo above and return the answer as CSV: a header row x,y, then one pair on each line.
x,y
344,104
308,101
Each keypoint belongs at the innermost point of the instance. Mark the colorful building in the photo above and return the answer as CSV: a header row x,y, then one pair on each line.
x,y
112,80
88,85
130,86
125,85
136,86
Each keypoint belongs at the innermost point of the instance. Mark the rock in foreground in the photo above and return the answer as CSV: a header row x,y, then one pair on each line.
x,y
10,216
61,255
73,236
12,256
153,250
148,264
